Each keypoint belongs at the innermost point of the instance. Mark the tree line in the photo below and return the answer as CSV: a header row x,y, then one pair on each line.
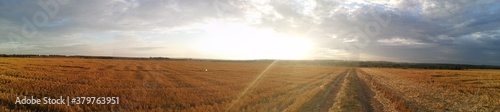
x,y
386,64
378,64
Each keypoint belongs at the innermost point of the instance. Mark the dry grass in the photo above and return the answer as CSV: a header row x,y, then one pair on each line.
x,y
282,89
152,85
318,99
437,90
175,85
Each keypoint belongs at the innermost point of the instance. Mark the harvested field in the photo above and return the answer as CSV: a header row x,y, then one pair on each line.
x,y
167,85
435,90
201,85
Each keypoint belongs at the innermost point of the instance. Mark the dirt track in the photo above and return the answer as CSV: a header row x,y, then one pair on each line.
x,y
323,100
345,93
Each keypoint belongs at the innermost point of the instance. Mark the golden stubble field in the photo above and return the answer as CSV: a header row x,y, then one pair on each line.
x,y
194,85
160,85
437,90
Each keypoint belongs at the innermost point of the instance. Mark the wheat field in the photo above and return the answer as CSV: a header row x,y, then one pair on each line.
x,y
211,85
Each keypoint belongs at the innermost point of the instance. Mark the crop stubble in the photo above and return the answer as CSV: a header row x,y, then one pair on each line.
x,y
184,85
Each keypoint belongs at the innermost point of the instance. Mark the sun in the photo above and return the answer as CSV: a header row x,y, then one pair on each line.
x,y
239,41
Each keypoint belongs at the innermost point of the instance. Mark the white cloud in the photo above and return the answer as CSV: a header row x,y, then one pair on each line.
x,y
398,41
158,24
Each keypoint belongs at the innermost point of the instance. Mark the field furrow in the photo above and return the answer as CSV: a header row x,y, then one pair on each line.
x,y
263,86
321,101
354,95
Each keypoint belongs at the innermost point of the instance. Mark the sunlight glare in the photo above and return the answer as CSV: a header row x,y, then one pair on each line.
x,y
238,41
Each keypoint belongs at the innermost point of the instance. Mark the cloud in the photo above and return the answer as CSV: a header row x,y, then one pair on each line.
x,y
418,30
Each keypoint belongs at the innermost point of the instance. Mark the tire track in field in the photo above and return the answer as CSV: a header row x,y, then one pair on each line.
x,y
323,100
282,91
107,67
138,94
176,77
346,92
354,95
368,95
294,87
394,100
150,79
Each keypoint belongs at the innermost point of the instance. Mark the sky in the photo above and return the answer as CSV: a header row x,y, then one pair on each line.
x,y
424,31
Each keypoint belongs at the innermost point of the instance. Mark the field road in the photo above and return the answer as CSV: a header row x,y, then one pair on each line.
x,y
346,92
